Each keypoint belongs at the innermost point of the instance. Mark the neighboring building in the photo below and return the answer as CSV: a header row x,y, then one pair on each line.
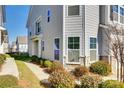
x,y
4,44
71,34
22,44
13,47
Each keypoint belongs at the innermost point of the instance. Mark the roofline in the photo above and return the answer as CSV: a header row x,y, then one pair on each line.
x,y
29,15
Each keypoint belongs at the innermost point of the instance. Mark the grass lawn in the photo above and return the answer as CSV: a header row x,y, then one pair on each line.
x,y
27,77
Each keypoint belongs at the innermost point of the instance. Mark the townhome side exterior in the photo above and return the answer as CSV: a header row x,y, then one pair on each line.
x,y
3,32
21,44
71,34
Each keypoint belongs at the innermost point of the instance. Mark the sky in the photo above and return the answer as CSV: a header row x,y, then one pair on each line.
x,y
16,18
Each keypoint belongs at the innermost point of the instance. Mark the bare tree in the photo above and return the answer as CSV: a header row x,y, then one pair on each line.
x,y
115,35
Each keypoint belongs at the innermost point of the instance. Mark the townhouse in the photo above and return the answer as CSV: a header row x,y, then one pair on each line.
x,y
71,34
21,44
3,32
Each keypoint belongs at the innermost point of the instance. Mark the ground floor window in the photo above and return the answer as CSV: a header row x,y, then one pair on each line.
x,y
73,49
93,51
56,48
42,45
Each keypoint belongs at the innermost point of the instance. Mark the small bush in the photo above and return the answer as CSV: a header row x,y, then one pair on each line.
x,y
61,79
56,66
8,81
90,81
3,56
112,84
80,71
100,67
35,59
47,63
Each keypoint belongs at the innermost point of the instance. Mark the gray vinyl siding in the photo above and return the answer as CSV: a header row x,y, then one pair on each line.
x,y
50,30
91,27
74,25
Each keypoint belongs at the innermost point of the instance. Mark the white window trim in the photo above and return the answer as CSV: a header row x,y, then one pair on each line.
x,y
54,47
73,15
94,49
67,62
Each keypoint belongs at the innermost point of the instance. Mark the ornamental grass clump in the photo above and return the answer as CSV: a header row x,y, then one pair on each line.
x,y
61,79
80,71
90,81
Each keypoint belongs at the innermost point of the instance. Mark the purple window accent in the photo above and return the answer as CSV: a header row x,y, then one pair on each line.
x,y
57,52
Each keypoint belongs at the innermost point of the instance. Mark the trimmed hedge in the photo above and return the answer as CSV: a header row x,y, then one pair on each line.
x,y
35,59
100,67
112,84
61,79
80,71
90,81
8,81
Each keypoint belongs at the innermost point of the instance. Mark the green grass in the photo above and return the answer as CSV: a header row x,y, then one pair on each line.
x,y
27,77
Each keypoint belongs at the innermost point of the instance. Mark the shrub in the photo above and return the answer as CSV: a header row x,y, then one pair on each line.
x,y
100,67
61,79
47,63
80,71
35,59
7,81
90,81
111,84
3,56
56,66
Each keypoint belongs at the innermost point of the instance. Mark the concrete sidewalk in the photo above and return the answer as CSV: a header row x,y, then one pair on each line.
x,y
39,72
10,68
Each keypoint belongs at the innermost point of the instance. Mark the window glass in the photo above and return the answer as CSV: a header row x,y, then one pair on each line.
x,y
48,16
115,8
57,48
92,43
73,49
73,42
42,44
73,10
38,27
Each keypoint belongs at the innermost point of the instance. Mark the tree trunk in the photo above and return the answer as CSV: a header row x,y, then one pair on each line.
x,y
117,70
121,72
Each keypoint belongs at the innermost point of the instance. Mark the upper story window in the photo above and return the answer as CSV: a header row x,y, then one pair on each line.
x,y
121,11
115,8
48,16
38,27
73,10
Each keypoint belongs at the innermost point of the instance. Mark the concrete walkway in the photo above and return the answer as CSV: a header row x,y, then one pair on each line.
x,y
39,72
10,68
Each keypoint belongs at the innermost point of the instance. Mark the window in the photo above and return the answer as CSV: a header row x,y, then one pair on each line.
x,y
121,15
56,48
93,49
73,10
30,33
42,45
115,8
38,27
92,43
73,49
48,16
